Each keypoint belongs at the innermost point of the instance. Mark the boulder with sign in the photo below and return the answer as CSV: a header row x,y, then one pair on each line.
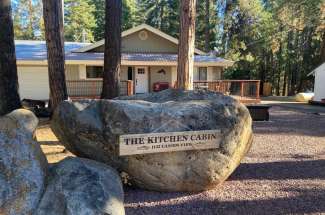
x,y
92,129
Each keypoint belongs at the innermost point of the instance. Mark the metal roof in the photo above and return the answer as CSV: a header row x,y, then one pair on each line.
x,y
36,50
143,57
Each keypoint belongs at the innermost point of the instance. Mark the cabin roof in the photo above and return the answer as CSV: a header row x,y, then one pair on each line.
x,y
35,51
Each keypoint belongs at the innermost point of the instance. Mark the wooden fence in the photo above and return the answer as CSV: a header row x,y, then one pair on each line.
x,y
92,89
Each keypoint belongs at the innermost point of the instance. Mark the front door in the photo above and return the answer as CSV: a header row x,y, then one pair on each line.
x,y
141,80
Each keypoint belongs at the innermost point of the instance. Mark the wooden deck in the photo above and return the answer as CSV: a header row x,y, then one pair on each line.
x,y
246,91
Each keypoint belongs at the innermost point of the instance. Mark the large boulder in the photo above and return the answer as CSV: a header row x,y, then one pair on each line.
x,y
23,166
91,128
80,186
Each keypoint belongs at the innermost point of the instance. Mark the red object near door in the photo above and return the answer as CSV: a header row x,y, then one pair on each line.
x,y
159,86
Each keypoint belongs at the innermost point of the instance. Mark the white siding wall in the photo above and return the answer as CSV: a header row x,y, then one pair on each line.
x,y
213,73
82,72
72,72
195,73
124,73
210,75
319,85
216,73
33,82
174,75
160,77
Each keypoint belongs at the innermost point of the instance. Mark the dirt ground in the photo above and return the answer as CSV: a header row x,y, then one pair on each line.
x,y
284,173
50,145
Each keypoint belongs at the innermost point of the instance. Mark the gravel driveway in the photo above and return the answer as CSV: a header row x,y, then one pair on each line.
x,y
284,173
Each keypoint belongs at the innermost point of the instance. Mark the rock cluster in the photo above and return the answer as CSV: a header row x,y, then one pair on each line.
x,y
23,166
91,129
80,186
73,186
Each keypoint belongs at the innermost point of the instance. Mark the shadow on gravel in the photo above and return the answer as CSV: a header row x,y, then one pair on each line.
x,y
310,169
135,194
305,202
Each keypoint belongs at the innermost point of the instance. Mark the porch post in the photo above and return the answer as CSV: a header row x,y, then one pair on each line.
x,y
130,88
242,88
258,83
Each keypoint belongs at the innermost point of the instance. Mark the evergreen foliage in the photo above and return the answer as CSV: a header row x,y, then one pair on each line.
x,y
276,41
79,20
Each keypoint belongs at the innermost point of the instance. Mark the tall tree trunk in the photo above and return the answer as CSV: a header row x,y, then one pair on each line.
x,y
288,67
273,66
161,16
322,52
53,21
226,15
9,96
261,74
186,45
207,26
31,19
112,58
296,68
278,84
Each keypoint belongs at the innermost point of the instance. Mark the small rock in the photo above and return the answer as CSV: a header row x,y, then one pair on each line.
x,y
79,186
91,129
23,165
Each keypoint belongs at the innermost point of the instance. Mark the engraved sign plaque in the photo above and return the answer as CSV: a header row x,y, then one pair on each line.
x,y
132,144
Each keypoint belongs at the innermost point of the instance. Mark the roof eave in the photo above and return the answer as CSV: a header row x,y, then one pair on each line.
x,y
125,63
311,73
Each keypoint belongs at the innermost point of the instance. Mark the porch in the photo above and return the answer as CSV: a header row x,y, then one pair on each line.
x,y
247,91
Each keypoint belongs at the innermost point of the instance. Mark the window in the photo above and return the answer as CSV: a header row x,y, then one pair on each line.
x,y
94,71
141,71
203,73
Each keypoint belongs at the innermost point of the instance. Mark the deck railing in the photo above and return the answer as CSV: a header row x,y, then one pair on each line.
x,y
244,90
93,88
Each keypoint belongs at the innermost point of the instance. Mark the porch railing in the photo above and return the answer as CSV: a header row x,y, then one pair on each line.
x,y
244,90
93,88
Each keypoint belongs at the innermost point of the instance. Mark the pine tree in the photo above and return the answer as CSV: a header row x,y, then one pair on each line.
x,y
112,53
79,20
9,96
130,16
27,19
53,20
185,60
163,15
206,21
129,13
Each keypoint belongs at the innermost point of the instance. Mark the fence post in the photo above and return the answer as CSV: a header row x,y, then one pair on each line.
x,y
242,89
258,89
129,88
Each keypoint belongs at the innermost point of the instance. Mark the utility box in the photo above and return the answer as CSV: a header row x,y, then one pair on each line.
x,y
259,112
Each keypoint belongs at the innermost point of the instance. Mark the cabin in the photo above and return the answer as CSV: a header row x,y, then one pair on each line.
x,y
148,63
319,86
